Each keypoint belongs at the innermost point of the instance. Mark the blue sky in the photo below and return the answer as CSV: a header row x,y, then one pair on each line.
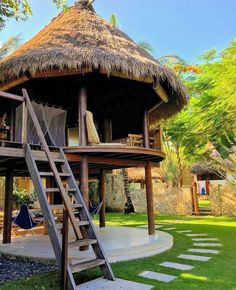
x,y
182,27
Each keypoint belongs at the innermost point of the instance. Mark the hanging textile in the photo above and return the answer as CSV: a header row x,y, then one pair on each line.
x,y
52,121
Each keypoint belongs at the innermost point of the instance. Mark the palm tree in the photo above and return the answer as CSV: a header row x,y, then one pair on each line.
x,y
8,46
129,207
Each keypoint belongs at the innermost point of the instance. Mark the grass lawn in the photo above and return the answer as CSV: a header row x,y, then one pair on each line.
x,y
218,273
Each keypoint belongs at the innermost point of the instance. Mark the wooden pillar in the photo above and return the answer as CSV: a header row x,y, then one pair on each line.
x,y
102,197
107,129
12,124
24,123
84,179
149,197
7,224
82,108
146,136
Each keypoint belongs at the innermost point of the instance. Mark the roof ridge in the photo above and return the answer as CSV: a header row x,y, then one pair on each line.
x,y
84,4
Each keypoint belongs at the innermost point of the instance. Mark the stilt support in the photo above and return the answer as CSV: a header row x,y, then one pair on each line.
x,y
102,185
84,179
7,225
149,196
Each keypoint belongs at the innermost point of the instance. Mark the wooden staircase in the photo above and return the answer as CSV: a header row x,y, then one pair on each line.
x,y
73,206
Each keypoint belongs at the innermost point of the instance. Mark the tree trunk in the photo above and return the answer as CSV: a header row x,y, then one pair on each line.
x,y
128,205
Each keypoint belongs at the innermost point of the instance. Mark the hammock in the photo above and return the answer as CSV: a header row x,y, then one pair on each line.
x,y
93,210
24,219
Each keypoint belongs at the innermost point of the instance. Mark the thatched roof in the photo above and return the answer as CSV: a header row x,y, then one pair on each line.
x,y
139,173
79,41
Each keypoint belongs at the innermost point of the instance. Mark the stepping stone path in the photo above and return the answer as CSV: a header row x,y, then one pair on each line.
x,y
207,244
203,251
177,266
158,276
195,258
120,284
196,235
204,241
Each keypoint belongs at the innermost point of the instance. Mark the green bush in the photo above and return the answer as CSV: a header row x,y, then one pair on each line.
x,y
21,197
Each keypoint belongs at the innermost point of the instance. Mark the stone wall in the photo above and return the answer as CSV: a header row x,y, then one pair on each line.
x,y
223,200
166,200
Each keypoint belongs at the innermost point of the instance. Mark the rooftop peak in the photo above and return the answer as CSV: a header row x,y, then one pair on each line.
x,y
83,4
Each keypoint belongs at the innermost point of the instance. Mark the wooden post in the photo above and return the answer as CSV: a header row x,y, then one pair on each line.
x,y
64,254
12,124
102,196
84,179
82,108
7,224
146,135
149,196
50,197
195,199
107,129
24,123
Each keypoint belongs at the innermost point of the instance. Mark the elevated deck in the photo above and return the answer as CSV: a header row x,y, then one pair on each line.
x,y
12,154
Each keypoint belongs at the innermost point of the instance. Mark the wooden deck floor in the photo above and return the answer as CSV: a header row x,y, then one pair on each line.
x,y
108,157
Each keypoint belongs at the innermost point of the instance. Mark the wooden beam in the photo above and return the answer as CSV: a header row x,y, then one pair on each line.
x,y
159,90
149,197
84,179
11,96
104,160
146,135
7,223
161,93
102,198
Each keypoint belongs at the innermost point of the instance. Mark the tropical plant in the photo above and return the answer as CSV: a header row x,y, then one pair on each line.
x,y
145,45
8,46
23,197
210,115
172,168
19,9
129,207
113,20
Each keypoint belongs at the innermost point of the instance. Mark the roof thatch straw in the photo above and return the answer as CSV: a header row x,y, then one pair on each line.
x,y
139,174
205,167
78,39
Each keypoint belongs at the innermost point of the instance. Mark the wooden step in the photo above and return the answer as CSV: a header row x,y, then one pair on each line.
x,y
41,156
61,174
67,189
83,223
86,265
84,242
61,206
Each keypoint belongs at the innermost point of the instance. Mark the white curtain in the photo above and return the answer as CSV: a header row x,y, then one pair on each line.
x,y
52,121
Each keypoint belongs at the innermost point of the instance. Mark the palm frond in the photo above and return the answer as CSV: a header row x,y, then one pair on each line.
x,y
11,44
145,45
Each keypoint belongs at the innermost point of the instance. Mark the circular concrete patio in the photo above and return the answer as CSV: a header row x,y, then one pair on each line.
x,y
120,244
